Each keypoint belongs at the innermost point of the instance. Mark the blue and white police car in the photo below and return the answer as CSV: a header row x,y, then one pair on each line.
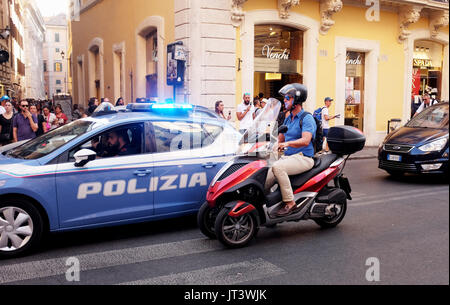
x,y
150,162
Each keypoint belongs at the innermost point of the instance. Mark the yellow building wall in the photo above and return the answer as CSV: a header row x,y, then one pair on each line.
x,y
351,22
115,21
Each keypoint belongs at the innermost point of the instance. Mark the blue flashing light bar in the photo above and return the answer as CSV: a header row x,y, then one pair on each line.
x,y
149,107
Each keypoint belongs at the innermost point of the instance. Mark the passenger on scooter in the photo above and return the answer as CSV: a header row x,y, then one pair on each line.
x,y
299,153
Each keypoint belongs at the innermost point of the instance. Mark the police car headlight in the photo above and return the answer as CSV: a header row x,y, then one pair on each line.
x,y
220,173
434,146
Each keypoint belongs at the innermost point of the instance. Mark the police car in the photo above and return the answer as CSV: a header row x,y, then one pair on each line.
x,y
152,161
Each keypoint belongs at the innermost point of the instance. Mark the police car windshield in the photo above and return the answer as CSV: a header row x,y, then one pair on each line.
x,y
51,141
433,117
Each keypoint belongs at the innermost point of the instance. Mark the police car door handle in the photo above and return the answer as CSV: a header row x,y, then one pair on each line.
x,y
143,172
209,165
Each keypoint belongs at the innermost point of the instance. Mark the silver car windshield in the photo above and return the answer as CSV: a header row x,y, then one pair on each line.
x,y
433,117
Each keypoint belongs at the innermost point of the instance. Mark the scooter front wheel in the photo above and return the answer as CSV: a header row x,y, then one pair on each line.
x,y
206,219
235,232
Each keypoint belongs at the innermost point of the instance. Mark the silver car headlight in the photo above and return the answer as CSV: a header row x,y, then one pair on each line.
x,y
434,146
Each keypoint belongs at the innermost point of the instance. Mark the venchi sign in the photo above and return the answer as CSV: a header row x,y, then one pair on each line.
x,y
423,62
268,51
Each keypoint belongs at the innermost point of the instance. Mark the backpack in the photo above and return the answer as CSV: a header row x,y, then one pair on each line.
x,y
317,141
318,114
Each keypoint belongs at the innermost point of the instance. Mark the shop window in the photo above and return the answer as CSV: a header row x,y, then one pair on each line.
x,y
278,58
427,69
354,90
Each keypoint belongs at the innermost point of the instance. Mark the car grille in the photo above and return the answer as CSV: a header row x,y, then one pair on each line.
x,y
398,148
398,166
232,169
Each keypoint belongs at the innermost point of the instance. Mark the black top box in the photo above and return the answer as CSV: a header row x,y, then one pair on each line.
x,y
345,140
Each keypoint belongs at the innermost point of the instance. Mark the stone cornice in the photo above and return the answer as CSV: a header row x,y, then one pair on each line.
x,y
327,9
407,15
285,5
438,19
237,14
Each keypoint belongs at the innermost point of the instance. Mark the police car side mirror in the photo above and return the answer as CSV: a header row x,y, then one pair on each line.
x,y
83,156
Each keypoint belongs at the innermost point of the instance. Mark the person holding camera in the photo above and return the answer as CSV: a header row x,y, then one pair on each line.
x,y
25,124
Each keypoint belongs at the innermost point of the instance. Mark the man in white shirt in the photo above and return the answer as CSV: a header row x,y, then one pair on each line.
x,y
426,103
245,113
326,118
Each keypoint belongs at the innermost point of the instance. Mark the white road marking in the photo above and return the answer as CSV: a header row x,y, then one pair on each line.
x,y
92,261
395,198
219,275
359,196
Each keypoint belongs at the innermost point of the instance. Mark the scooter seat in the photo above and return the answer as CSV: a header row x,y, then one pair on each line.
x,y
321,163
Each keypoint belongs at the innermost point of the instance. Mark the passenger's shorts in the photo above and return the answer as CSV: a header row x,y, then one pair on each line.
x,y
325,133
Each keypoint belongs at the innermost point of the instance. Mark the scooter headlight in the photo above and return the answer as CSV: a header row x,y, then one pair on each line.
x,y
434,146
221,172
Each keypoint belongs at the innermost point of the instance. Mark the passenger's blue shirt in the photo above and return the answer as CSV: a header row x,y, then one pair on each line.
x,y
295,132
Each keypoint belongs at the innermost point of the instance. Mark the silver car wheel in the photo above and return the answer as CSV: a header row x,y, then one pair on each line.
x,y
16,228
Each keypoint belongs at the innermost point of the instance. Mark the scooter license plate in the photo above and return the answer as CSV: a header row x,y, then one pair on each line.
x,y
395,158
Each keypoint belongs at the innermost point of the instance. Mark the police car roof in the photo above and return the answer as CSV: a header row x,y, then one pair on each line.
x,y
196,112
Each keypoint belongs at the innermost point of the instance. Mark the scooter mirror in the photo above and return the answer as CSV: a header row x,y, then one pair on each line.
x,y
282,129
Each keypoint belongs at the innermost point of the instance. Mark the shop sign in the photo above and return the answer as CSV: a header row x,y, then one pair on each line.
x,y
423,62
268,52
354,61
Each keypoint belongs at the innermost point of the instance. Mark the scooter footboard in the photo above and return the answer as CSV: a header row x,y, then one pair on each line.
x,y
239,208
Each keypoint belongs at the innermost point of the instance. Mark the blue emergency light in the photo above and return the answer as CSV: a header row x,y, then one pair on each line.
x,y
153,107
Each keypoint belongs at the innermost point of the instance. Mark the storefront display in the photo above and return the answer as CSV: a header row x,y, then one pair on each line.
x,y
354,90
278,58
427,69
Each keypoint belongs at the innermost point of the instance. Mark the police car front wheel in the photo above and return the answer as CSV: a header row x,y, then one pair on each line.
x,y
21,227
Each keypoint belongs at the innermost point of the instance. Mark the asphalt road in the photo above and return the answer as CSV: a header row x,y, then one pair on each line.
x,y
402,223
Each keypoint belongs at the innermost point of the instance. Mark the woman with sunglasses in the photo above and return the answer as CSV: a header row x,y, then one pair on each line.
x,y
25,124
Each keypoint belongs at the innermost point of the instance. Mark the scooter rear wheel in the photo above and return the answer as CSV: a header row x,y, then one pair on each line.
x,y
327,222
235,232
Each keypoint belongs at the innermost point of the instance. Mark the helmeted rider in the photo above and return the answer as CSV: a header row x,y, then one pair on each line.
x,y
299,153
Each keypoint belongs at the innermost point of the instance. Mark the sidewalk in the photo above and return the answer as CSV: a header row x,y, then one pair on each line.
x,y
369,152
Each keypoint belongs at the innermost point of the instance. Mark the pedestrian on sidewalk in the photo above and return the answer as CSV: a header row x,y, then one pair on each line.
x,y
326,118
60,116
42,128
25,124
6,123
51,122
219,108
244,113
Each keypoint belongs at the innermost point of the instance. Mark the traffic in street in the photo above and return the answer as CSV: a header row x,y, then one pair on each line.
x,y
401,222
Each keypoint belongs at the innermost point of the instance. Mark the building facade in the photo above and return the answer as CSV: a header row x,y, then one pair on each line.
x,y
55,54
5,48
373,57
33,47
17,56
